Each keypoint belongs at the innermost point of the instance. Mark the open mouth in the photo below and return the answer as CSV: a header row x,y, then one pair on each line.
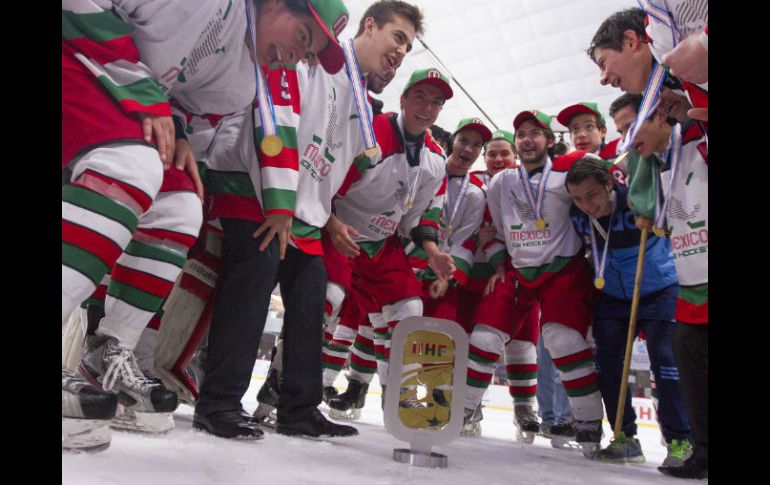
x,y
422,118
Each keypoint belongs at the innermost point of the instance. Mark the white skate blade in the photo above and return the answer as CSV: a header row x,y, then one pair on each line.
x,y
90,435
175,385
149,423
266,415
563,443
351,414
590,450
527,437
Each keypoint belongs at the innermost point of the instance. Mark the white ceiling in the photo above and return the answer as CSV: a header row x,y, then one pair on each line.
x,y
509,55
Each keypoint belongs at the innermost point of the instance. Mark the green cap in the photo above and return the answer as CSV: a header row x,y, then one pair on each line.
x,y
332,16
476,125
566,115
432,76
502,135
538,117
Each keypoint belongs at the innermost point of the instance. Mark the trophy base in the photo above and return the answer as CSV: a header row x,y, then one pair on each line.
x,y
416,458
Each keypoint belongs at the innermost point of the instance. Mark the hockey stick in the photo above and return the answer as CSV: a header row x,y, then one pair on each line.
x,y
631,333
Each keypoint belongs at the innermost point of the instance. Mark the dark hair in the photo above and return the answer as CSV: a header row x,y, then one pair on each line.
x,y
383,12
588,167
377,106
611,31
442,137
627,99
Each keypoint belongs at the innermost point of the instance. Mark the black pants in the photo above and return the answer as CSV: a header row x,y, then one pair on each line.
x,y
248,278
691,351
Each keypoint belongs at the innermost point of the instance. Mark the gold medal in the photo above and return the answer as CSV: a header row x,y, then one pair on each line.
x,y
271,145
409,204
372,152
599,282
540,223
659,231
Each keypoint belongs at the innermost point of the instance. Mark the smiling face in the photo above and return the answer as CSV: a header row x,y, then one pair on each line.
x,y
381,51
285,37
498,156
627,69
422,104
592,197
466,147
532,144
586,135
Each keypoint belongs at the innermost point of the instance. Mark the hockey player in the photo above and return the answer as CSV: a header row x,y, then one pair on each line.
x,y
603,219
329,146
530,210
461,216
395,195
103,183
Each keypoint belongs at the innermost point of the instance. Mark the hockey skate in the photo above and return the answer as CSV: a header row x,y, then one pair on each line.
x,y
144,404
527,425
472,422
589,434
266,413
623,449
562,435
85,415
348,405
329,392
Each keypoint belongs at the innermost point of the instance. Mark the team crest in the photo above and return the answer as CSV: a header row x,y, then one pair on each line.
x,y
434,73
340,23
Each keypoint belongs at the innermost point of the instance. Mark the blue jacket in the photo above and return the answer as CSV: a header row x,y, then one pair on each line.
x,y
620,268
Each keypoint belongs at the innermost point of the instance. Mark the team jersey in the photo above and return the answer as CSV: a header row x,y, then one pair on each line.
x,y
535,253
242,185
461,216
401,188
686,215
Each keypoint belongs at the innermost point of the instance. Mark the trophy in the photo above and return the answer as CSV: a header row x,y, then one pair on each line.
x,y
426,388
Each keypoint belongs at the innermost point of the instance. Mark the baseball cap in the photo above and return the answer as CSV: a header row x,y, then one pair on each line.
x,y
332,16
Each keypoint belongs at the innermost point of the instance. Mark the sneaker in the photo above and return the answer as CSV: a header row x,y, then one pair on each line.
x,y
86,413
623,449
228,424
526,422
472,422
113,368
589,434
690,468
313,425
677,452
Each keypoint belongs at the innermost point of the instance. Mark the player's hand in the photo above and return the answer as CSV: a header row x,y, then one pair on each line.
x,y
275,224
438,288
184,159
700,114
163,129
689,60
486,234
498,276
673,105
342,236
644,222
441,263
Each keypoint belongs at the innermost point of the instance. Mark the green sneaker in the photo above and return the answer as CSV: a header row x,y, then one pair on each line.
x,y
623,450
678,452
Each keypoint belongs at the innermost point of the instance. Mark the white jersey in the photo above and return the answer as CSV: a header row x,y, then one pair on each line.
x,y
534,251
328,140
393,195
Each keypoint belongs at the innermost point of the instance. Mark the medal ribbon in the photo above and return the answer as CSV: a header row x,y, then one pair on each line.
x,y
648,106
535,203
599,266
458,202
674,153
359,95
413,190
264,99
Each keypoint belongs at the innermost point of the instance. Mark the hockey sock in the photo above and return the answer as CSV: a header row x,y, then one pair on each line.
x,y
484,349
521,370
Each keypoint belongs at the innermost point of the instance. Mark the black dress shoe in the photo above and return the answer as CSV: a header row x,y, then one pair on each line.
x,y
690,468
313,425
227,424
